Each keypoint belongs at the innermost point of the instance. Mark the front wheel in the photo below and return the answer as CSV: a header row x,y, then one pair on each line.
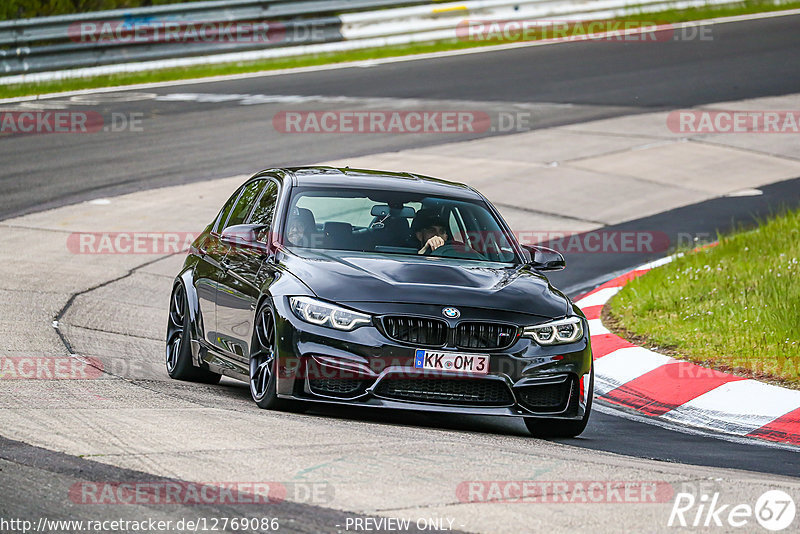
x,y
179,350
559,428
264,364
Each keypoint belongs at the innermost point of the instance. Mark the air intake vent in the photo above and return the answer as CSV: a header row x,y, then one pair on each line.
x,y
550,398
337,387
421,331
476,335
480,392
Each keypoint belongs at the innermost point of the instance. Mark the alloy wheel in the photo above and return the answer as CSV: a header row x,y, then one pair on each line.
x,y
262,358
176,327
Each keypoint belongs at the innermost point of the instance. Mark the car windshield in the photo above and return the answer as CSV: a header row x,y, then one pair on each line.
x,y
395,222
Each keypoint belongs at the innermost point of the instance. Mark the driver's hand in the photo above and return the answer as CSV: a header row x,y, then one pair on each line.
x,y
432,244
435,242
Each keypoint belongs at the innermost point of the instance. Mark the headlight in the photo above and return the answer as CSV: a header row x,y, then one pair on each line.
x,y
558,332
323,314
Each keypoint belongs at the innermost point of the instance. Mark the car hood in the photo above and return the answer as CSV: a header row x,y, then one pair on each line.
x,y
344,276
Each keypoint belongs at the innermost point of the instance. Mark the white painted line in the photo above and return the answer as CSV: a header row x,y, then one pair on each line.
x,y
624,365
736,407
598,298
654,264
745,193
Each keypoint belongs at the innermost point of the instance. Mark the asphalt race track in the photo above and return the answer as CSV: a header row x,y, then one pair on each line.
x,y
561,84
190,133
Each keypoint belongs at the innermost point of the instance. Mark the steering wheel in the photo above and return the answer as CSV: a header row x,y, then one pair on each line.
x,y
455,250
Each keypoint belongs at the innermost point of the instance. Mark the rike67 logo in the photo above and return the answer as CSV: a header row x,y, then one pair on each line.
x,y
774,510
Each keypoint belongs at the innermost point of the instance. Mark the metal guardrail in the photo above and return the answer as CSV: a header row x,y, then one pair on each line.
x,y
47,43
43,49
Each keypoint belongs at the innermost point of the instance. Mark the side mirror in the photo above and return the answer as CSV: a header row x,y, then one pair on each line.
x,y
543,258
243,235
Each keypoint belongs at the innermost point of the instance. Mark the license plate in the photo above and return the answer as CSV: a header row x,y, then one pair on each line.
x,y
476,364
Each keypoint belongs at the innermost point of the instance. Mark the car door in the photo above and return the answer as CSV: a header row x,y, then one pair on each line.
x,y
224,299
207,271
246,272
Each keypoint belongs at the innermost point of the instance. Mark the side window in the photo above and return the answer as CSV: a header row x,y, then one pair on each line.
x,y
226,211
244,204
265,207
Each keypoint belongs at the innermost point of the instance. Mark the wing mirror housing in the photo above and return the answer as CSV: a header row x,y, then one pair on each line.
x,y
543,258
244,235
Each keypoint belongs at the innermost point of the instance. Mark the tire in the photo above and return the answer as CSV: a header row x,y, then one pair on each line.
x,y
559,428
264,361
178,344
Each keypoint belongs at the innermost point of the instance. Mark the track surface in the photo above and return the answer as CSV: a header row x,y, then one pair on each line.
x,y
563,83
187,140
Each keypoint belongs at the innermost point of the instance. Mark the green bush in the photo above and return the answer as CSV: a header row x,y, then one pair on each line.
x,y
24,9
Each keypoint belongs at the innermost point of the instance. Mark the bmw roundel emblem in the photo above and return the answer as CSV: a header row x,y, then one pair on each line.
x,y
451,313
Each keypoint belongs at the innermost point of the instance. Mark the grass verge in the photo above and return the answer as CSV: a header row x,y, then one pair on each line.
x,y
200,71
734,307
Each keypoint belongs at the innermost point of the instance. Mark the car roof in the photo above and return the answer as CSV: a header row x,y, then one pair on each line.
x,y
346,177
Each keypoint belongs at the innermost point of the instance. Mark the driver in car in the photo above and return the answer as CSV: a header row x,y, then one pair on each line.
x,y
300,228
429,229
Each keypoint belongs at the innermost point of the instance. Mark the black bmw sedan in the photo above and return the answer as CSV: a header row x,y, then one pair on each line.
x,y
391,290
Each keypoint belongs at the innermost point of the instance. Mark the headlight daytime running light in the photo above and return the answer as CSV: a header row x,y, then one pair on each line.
x,y
558,332
324,314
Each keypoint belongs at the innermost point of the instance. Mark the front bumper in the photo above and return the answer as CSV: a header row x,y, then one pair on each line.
x,y
366,368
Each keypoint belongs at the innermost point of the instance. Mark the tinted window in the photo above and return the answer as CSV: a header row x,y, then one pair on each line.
x,y
455,229
244,203
226,210
342,219
265,207
352,210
